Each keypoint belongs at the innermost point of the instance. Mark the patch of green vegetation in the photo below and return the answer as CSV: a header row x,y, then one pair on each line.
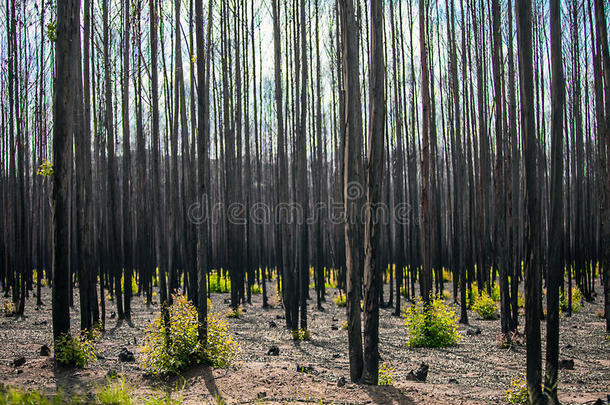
x,y
17,396
301,334
517,391
115,392
435,327
184,348
74,352
234,313
485,306
386,374
218,284
256,289
8,308
340,300
576,300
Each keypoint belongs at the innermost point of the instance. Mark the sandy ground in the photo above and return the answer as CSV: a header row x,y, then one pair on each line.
x,y
476,371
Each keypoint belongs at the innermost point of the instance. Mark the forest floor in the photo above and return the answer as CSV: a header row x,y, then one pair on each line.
x,y
475,371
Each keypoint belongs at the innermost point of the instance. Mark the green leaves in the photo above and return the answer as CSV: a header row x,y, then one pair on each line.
x,y
52,31
437,327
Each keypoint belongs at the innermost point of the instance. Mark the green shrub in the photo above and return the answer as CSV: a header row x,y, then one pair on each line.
x,y
70,351
472,295
485,306
344,325
386,374
219,284
340,300
495,292
517,392
447,275
221,350
576,300
301,334
115,392
256,289
434,328
134,284
184,348
8,308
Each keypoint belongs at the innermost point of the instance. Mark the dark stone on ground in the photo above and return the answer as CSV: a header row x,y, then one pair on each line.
x,y
453,381
566,364
473,331
18,362
112,315
336,355
341,382
420,374
334,327
273,351
569,346
45,351
272,324
126,356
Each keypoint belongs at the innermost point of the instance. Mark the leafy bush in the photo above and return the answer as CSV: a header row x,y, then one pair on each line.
x,y
134,284
8,308
495,292
471,295
485,306
436,327
256,289
520,300
386,374
447,275
517,392
115,392
576,300
218,284
344,325
184,349
161,357
340,300
76,352
221,349
301,334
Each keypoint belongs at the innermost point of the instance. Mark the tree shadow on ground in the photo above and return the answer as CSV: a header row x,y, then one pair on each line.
x,y
387,395
191,376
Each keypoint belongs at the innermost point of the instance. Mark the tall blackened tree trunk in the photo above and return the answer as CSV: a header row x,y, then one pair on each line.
x,y
523,11
500,214
66,45
555,269
86,263
425,281
301,179
352,183
203,131
127,240
114,255
374,175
